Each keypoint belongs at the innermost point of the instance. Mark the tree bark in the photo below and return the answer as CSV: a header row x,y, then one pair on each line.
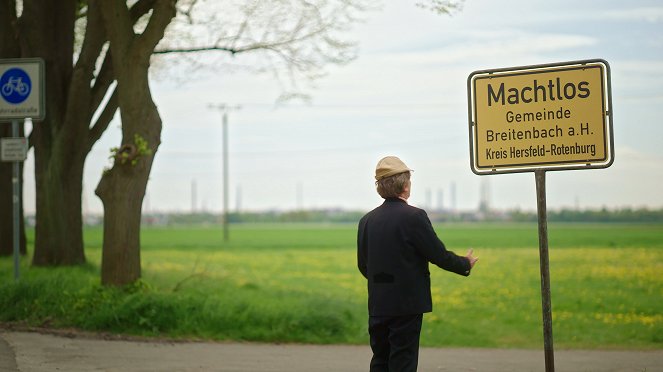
x,y
47,31
66,136
6,204
122,188
74,93
9,48
63,139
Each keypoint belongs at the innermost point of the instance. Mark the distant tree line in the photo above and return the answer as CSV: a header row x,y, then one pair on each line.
x,y
594,215
300,216
623,215
323,216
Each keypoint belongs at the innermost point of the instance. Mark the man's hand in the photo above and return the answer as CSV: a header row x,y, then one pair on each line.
x,y
471,258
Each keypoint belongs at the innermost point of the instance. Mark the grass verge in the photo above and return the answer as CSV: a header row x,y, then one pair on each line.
x,y
300,284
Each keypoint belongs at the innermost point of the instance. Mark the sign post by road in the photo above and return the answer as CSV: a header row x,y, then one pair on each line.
x,y
21,96
540,118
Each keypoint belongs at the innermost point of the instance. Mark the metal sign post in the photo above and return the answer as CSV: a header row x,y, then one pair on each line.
x,y
14,150
538,118
16,189
21,96
540,176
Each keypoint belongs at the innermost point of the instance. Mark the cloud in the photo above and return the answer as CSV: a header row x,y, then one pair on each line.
x,y
513,45
636,158
641,66
647,14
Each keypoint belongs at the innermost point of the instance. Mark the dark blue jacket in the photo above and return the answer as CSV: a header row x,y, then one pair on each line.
x,y
395,243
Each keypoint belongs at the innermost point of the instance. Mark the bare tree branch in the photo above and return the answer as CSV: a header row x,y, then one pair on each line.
x,y
105,76
9,43
292,39
103,80
163,12
95,37
441,6
121,36
104,119
140,8
186,12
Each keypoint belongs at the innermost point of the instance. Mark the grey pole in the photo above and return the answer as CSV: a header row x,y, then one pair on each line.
x,y
16,183
225,108
225,176
540,176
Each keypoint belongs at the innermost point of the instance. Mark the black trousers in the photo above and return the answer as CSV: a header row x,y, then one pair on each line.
x,y
395,342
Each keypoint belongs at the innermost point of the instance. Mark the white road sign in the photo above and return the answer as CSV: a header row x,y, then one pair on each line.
x,y
22,89
13,149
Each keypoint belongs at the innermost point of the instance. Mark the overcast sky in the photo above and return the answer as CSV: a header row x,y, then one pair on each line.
x,y
405,95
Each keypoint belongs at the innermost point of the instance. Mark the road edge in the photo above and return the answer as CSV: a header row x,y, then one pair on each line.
x,y
7,356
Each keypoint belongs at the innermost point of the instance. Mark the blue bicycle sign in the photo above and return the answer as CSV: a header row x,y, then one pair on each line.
x,y
22,89
15,85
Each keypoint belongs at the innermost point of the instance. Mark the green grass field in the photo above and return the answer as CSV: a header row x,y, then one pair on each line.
x,y
299,283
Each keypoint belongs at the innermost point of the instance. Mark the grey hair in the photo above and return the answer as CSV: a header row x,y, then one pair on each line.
x,y
392,186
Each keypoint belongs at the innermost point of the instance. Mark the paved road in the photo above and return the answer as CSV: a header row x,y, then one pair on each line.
x,y
35,352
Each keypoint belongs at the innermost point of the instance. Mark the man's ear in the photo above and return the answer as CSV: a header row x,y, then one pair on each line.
x,y
406,189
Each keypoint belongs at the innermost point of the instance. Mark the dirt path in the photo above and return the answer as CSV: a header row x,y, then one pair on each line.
x,y
35,352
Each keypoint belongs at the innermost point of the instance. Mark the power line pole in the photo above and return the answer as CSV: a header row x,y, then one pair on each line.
x,y
224,108
194,196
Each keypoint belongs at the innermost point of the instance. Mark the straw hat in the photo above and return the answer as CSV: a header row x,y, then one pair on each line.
x,y
388,166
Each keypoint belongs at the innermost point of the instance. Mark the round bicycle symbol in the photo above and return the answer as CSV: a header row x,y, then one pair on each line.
x,y
15,85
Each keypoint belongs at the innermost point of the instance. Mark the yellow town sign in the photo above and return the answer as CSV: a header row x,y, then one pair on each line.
x,y
550,117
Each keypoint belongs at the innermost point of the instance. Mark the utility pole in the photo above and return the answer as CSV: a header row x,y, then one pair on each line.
x,y
194,196
224,108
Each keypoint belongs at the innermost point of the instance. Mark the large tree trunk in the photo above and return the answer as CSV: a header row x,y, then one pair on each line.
x,y
62,142
59,229
122,188
47,30
6,204
9,48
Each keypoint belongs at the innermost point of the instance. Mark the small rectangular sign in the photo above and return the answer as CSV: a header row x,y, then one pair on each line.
x,y
550,117
22,89
13,149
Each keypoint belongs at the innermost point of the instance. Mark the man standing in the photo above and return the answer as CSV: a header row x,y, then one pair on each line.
x,y
395,243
